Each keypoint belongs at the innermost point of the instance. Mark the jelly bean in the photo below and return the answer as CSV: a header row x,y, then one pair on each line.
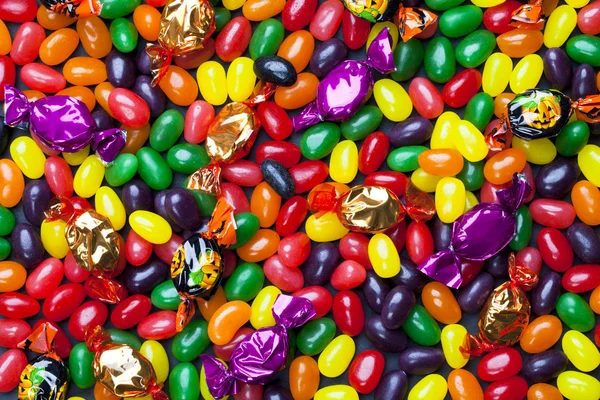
x,y
474,294
108,204
419,360
8,74
441,303
13,331
343,164
198,118
261,307
463,385
53,238
278,178
461,88
150,226
294,249
387,340
499,364
460,21
452,338
575,312
184,381
588,159
209,307
583,48
285,153
82,94
577,385
426,98
475,48
262,246
145,277
58,47
543,391
500,168
136,195
408,57
80,366
26,43
28,156
439,5
410,277
315,336
86,316
441,162
406,158
84,71
26,245
245,283
584,81
479,110
147,21
546,293
348,313
18,306
432,387
166,130
112,9
128,108
94,36
545,366
165,296
308,174
153,96
348,275
378,27
233,4
157,326
153,169
336,392
496,74
156,354
18,12
129,312
52,20
555,249
514,387
121,170
585,197
559,26
297,48
530,258
240,79
260,10
520,43
449,199
298,95
366,370
527,73
121,69
412,131
274,120
393,385
398,234
336,356
572,138
538,151
227,320
501,102
41,77
63,301
5,39
557,68
304,378
595,302
43,280
326,20
265,204
383,256
212,82
329,54
373,152
581,351
392,99
584,242
88,177
587,19
297,14
179,86
233,40
439,60
325,229
421,327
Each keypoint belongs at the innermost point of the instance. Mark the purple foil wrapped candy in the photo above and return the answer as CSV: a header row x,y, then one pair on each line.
x,y
348,86
478,234
62,123
260,355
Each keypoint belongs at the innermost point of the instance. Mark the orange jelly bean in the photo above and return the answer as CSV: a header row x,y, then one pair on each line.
x,y
84,71
520,42
500,103
94,36
136,138
440,302
147,21
501,167
463,385
259,10
5,40
53,21
262,246
304,378
82,94
299,94
33,95
179,86
585,197
595,300
549,6
12,183
208,308
265,204
441,162
227,320
102,393
297,48
101,92
59,46
541,334
12,276
543,391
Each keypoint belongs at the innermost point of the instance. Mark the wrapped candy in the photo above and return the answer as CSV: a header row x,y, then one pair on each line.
x,y
122,369
262,354
230,137
412,20
529,16
372,10
348,86
74,8
478,234
197,265
184,26
46,377
62,123
505,314
372,209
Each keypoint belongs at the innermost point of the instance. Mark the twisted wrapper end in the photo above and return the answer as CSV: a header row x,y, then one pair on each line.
x,y
108,144
219,379
206,179
308,117
529,16
444,267
588,108
185,312
17,108
413,20
105,289
41,340
160,59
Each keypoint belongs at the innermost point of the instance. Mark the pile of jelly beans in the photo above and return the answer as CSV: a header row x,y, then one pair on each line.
x,y
382,329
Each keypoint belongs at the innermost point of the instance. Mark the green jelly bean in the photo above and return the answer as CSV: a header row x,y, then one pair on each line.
x,y
5,248
474,49
584,49
165,131
187,158
472,175
206,202
124,35
421,327
188,344
408,57
460,21
319,140
572,138
153,169
480,110
165,296
112,9
442,5
245,282
440,62
123,337
121,170
247,226
7,221
575,312
524,225
405,159
184,382
266,39
214,2
222,17
80,366
315,336
362,124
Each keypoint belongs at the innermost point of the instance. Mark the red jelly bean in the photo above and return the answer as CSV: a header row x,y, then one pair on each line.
x,y
45,278
497,19
62,344
348,313
500,364
355,246
373,152
582,278
12,363
198,117
348,275
63,301
426,98
13,332
309,174
194,59
18,11
88,315
224,351
18,305
137,249
395,181
286,153
398,235
529,258
8,74
274,120
319,297
158,326
588,19
555,249
528,172
511,388
73,271
419,242
291,215
59,176
167,250
128,108
469,270
327,20
597,335
552,213
366,370
233,39
297,14
27,42
488,191
43,78
355,30
243,173
235,196
288,279
462,87
79,203
129,312
294,249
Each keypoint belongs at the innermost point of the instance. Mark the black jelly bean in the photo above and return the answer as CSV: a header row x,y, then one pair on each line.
x,y
26,245
473,296
121,69
412,131
36,199
152,95
558,68
276,70
545,295
374,290
327,55
278,178
321,263
585,242
396,307
392,386
421,360
144,278
183,209
545,366
556,179
392,341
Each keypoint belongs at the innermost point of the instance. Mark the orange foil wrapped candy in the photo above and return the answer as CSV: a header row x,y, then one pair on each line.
x,y
74,8
505,314
529,16
184,26
122,369
412,20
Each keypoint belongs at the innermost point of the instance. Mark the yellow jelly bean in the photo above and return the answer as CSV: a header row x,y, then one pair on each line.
x,y
150,226
241,78
337,392
77,158
28,156
453,336
88,177
537,151
53,238
431,387
204,391
487,3
233,4
336,357
470,200
578,386
469,141
450,199
589,162
392,100
212,82
326,228
442,135
425,181
496,74
527,73
262,307
156,354
343,164
581,351
108,204
384,256
559,26
75,398
378,27
577,3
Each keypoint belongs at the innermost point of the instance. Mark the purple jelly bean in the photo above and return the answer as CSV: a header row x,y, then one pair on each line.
x,y
121,69
442,234
412,131
103,120
142,62
144,278
160,207
36,199
153,96
472,297
374,290
392,386
545,295
183,209
136,195
545,366
321,263
392,341
585,242
557,68
421,360
497,266
584,81
410,276
27,246
396,307
327,55
555,180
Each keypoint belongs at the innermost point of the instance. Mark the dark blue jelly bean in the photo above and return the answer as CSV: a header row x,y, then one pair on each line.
x,y
410,276
36,199
146,277
497,266
276,70
27,246
396,307
392,386
160,207
584,81
473,296
556,179
327,55
421,360
375,289
121,69
182,209
585,242
545,295
152,95
321,263
103,120
412,131
278,178
392,341
442,234
142,62
277,392
136,196
557,68
545,366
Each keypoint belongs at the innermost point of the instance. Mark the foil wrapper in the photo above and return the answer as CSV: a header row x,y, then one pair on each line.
x,y
529,16
413,20
348,86
74,8
372,10
497,139
478,234
184,26
62,123
262,354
